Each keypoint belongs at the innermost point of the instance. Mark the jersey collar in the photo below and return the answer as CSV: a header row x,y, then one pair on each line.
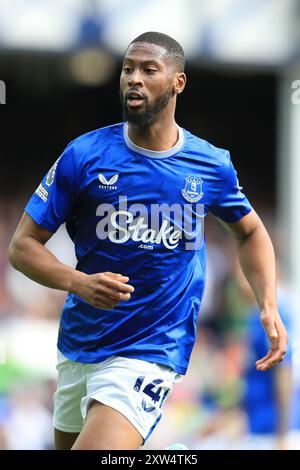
x,y
153,153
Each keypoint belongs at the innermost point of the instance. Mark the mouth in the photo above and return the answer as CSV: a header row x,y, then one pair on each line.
x,y
134,99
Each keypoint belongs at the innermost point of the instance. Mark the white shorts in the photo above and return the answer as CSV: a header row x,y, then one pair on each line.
x,y
135,388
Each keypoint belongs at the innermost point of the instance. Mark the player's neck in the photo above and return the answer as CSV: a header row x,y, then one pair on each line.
x,y
159,137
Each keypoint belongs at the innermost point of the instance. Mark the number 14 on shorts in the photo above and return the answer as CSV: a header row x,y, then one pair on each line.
x,y
152,390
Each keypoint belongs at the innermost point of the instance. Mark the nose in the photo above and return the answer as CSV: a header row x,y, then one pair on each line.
x,y
135,78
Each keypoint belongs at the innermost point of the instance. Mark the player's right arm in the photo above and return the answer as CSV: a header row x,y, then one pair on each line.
x,y
28,254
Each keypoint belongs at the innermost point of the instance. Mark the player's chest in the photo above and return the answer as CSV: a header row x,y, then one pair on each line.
x,y
145,182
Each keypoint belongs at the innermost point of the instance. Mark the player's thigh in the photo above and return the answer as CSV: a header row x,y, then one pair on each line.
x,y
107,429
64,440
133,392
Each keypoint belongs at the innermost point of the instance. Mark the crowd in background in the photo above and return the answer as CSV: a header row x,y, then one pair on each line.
x,y
206,410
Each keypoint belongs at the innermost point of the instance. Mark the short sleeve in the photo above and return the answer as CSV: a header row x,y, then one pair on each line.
x,y
53,200
232,203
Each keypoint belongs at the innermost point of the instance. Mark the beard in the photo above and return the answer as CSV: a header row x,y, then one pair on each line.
x,y
149,114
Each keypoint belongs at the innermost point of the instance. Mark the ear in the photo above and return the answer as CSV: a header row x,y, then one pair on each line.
x,y
179,82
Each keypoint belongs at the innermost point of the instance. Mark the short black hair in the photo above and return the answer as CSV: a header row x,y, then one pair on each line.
x,y
172,47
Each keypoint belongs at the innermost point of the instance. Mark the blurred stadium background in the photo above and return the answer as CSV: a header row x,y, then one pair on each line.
x,y
59,64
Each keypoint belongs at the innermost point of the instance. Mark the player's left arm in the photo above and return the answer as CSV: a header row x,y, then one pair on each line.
x,y
256,255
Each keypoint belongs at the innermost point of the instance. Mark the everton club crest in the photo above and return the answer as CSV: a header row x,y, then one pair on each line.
x,y
192,191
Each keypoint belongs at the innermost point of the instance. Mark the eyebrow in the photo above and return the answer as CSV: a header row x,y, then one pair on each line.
x,y
144,62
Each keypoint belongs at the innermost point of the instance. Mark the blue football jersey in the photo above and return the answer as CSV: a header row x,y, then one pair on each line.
x,y
140,213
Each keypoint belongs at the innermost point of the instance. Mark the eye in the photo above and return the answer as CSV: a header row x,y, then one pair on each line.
x,y
150,70
127,69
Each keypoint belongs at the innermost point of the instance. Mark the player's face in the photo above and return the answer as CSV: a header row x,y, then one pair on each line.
x,y
146,83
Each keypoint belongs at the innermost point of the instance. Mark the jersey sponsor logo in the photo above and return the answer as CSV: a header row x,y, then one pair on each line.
x,y
51,174
42,193
138,231
146,247
152,226
192,191
108,184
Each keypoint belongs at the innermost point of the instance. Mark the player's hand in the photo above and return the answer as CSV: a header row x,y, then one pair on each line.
x,y
103,290
277,336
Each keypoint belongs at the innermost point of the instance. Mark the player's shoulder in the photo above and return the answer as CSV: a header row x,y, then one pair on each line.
x,y
219,156
102,137
85,148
